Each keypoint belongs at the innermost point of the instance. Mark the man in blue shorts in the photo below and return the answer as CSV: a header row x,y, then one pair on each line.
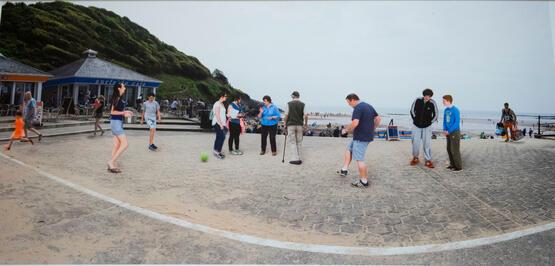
x,y
151,113
363,125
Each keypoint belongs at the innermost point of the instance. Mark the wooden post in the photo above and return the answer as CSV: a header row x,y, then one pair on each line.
x,y
75,94
39,91
12,98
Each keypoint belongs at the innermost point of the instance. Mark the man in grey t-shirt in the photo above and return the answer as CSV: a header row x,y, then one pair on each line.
x,y
151,112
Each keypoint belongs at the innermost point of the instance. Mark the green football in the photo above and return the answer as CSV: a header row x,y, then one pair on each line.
x,y
204,157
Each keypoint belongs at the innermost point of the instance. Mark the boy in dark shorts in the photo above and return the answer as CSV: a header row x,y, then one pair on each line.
x,y
151,112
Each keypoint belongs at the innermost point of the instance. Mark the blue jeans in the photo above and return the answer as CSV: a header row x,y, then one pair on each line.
x,y
220,138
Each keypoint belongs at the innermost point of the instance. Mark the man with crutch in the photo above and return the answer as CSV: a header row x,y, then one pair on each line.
x,y
296,122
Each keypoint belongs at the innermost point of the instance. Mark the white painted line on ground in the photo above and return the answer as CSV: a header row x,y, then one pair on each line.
x,y
329,249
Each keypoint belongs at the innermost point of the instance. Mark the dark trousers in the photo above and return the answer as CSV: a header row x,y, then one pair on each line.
x,y
234,132
220,138
272,131
454,149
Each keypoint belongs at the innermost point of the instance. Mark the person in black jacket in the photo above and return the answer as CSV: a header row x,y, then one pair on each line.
x,y
424,112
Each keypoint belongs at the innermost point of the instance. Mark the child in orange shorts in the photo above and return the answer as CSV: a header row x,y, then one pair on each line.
x,y
19,133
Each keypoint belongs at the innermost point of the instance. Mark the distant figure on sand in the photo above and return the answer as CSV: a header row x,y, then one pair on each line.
x,y
452,130
117,114
364,122
236,124
270,116
98,110
218,122
531,132
29,113
424,113
508,118
19,132
296,122
151,113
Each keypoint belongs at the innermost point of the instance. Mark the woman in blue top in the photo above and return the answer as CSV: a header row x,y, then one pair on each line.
x,y
117,114
270,117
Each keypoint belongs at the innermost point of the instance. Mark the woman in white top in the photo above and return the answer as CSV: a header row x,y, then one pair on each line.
x,y
219,124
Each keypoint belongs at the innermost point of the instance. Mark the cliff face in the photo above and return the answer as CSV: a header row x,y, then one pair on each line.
x,y
50,35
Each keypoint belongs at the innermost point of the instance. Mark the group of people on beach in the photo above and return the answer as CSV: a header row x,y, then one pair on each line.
x,y
150,112
364,121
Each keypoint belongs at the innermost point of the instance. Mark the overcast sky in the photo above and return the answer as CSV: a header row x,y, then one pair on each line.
x,y
483,53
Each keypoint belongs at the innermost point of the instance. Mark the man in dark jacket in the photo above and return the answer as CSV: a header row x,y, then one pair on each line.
x,y
424,112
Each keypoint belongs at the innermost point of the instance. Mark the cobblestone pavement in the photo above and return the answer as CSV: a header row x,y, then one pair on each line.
x,y
504,187
44,222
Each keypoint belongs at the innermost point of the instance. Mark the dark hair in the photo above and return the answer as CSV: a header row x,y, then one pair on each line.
x,y
222,94
352,97
18,113
236,98
267,98
428,92
449,98
151,94
115,93
506,104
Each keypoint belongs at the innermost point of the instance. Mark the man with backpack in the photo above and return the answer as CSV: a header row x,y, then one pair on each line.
x,y
508,118
424,113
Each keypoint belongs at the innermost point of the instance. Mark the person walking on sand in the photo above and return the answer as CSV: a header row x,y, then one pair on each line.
x,y
452,130
98,112
508,119
424,113
364,122
29,113
117,114
270,117
296,122
531,132
19,132
218,115
235,122
151,113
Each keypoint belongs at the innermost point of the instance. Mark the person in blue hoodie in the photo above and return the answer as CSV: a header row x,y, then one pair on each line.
x,y
452,130
270,116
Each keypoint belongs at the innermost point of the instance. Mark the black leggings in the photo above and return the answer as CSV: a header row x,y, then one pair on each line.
x,y
272,130
234,132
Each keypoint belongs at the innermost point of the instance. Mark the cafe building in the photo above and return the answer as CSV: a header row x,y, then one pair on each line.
x,y
89,77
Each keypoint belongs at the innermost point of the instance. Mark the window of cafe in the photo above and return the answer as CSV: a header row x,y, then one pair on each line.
x,y
5,92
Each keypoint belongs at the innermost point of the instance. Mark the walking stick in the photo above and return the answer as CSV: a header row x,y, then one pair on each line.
x,y
284,145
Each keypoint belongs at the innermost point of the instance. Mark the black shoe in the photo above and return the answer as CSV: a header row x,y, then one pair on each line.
x,y
151,147
343,173
296,162
450,167
359,184
457,170
155,147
